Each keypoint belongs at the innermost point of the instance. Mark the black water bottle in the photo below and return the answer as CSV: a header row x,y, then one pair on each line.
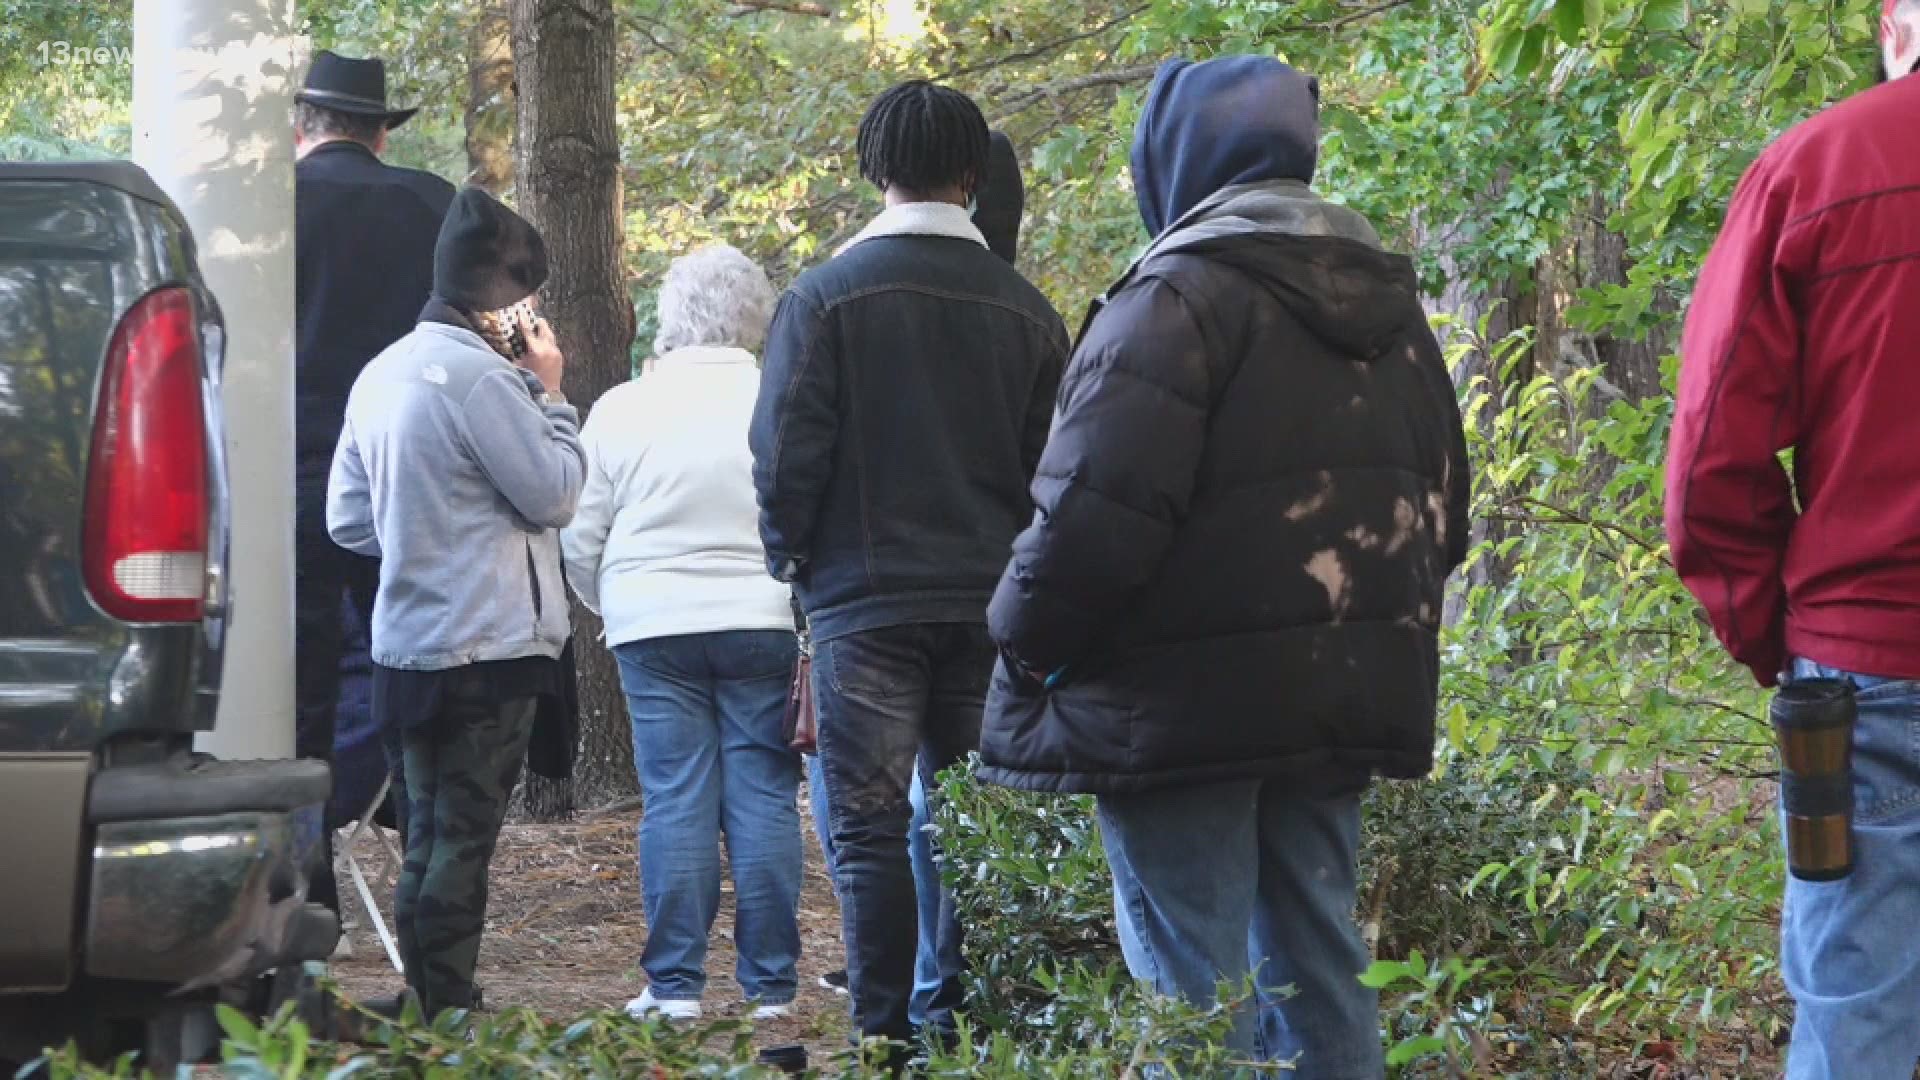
x,y
1813,724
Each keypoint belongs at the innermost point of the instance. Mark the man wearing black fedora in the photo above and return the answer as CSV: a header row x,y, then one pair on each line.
x,y
364,236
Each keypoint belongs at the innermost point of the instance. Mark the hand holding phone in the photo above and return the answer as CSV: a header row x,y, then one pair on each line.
x,y
539,350
517,317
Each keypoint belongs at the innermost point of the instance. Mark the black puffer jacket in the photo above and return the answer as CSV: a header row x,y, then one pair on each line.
x,y
1255,488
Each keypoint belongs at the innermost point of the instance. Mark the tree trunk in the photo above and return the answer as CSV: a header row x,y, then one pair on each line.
x,y
1632,367
490,105
1514,306
567,175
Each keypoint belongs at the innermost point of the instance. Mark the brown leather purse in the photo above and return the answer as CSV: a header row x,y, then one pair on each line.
x,y
798,723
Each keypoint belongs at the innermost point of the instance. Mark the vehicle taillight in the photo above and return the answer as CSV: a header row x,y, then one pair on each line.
x,y
147,498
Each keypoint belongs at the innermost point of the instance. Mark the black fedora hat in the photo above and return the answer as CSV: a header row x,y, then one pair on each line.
x,y
346,85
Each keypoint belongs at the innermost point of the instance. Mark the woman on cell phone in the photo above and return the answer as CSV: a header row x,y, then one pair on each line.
x,y
458,464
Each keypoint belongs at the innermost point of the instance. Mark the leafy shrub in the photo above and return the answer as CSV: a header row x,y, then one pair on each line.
x,y
1030,880
513,1044
1115,1033
1601,763
1098,1023
1031,883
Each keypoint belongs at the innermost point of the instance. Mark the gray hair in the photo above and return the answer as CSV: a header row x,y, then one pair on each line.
x,y
318,122
715,296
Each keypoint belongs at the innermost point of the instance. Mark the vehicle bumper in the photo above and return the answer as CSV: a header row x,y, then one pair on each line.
x,y
43,802
203,900
182,872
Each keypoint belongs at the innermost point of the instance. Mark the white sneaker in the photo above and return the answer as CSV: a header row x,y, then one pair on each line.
x,y
343,949
772,1012
647,1005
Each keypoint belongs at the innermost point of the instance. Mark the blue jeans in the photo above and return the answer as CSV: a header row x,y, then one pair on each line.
x,y
1216,882
891,702
929,970
1848,950
707,744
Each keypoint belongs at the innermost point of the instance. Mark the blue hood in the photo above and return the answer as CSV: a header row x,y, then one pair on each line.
x,y
1207,126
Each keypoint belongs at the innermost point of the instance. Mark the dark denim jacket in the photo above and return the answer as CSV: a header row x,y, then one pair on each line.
x,y
908,388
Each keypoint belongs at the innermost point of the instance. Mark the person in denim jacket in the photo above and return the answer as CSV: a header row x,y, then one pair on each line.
x,y
908,389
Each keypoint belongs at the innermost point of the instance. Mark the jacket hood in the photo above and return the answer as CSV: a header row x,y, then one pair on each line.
x,y
1225,122
1322,261
1002,198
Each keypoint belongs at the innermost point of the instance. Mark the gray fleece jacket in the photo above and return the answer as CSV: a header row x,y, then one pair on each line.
x,y
452,473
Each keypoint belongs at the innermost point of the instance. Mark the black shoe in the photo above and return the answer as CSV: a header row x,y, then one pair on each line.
x,y
392,1007
835,981
367,1019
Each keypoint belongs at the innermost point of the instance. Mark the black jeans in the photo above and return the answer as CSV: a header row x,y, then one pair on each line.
x,y
324,575
885,698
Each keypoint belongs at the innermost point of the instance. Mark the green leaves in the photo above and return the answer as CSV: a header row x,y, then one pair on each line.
x,y
1417,1047
1664,15
240,1031
1517,51
1578,825
281,1048
1573,19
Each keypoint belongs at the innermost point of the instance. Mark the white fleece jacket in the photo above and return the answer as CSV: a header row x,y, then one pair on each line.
x,y
666,540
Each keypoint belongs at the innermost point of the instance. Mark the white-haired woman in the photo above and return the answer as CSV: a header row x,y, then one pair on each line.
x,y
666,547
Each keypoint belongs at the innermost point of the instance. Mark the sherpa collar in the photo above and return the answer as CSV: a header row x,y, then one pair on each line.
x,y
920,219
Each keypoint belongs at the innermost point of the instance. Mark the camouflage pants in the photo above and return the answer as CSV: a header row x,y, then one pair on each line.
x,y
461,766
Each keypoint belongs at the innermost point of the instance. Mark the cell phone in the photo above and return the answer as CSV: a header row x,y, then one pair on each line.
x,y
505,330
518,317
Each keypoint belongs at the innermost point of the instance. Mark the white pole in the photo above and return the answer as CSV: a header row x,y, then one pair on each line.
x,y
212,123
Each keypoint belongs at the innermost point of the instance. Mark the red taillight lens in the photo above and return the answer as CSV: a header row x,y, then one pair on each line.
x,y
147,498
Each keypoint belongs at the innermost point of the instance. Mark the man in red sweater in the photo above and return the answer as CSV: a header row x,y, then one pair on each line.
x,y
1805,334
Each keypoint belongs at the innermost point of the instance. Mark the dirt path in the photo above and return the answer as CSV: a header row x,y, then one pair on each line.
x,y
565,929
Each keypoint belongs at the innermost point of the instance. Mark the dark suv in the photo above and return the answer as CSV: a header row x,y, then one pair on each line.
x,y
140,883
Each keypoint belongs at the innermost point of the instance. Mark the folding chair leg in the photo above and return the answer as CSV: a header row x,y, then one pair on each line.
x,y
360,879
373,914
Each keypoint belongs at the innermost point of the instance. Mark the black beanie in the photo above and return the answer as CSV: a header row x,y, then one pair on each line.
x,y
1001,198
488,257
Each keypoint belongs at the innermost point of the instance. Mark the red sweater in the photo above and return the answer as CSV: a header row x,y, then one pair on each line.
x,y
1805,334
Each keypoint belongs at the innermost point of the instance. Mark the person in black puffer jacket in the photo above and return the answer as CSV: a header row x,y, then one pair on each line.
x,y
1224,617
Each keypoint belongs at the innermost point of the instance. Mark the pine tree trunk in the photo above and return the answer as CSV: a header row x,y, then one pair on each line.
x,y
490,107
567,178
